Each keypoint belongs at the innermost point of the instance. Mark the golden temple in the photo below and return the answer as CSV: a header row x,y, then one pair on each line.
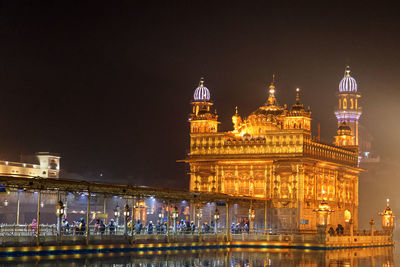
x,y
272,155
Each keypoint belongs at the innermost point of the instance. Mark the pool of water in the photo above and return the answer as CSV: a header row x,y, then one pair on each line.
x,y
382,257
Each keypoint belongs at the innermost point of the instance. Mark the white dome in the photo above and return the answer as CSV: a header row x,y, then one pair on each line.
x,y
201,93
348,83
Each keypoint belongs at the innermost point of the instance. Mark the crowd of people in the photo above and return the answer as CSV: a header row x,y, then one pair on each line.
x,y
239,228
100,227
160,227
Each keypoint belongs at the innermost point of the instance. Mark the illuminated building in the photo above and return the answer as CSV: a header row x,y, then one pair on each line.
x,y
42,164
271,155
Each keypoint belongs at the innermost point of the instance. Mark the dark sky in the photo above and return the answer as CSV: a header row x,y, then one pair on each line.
x,y
108,84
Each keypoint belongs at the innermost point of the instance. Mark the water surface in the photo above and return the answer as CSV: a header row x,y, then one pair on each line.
x,y
367,257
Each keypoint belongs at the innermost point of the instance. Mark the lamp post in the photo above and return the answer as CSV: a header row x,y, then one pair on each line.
x,y
175,214
372,222
117,213
60,213
216,219
126,215
252,216
387,219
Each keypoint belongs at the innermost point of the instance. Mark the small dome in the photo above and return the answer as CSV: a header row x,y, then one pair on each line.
x,y
201,93
344,129
348,83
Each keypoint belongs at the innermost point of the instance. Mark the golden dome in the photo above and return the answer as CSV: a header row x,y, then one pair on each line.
x,y
344,129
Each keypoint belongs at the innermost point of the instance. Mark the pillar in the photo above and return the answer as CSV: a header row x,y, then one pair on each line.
x,y
18,206
372,227
169,215
265,217
227,224
133,213
200,226
38,220
87,218
125,211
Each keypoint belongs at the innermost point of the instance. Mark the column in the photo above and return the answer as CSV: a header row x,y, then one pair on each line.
x,y
265,217
87,218
132,215
18,205
227,224
38,220
169,215
199,221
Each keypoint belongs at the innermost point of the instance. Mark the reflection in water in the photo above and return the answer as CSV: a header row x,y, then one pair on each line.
x,y
382,257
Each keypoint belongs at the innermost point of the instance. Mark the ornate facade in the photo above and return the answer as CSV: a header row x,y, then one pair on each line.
x,y
271,155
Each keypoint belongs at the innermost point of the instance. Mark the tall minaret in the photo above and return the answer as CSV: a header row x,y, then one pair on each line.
x,y
348,110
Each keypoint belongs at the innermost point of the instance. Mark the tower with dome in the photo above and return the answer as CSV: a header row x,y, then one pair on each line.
x,y
202,119
271,154
349,110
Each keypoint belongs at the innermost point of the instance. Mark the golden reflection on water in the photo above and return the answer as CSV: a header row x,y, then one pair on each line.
x,y
363,257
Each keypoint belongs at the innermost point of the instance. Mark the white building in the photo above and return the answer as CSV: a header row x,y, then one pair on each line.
x,y
42,164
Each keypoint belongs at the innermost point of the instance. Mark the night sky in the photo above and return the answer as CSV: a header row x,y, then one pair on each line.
x,y
108,84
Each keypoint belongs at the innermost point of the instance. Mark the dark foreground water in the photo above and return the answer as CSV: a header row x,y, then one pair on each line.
x,y
382,257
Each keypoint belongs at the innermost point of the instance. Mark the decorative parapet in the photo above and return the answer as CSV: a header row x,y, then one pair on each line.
x,y
223,144
330,153
272,145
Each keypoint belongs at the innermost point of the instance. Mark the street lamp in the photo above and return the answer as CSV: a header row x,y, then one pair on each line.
x,y
175,214
216,218
117,213
387,218
126,215
252,216
60,213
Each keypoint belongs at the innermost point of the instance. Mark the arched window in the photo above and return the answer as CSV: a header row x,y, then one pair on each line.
x,y
351,103
347,215
344,103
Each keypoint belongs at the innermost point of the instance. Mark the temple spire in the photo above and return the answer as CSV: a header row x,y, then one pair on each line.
x,y
297,96
201,83
271,97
